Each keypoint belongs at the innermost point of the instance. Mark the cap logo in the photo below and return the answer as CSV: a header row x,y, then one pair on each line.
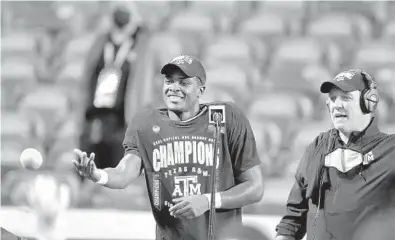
x,y
347,74
373,98
182,60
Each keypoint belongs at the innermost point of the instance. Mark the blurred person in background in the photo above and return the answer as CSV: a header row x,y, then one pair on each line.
x,y
346,173
179,179
48,200
110,68
46,197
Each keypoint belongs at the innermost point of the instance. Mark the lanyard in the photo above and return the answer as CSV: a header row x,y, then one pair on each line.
x,y
116,60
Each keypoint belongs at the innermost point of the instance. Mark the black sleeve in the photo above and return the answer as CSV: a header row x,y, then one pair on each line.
x,y
241,141
295,220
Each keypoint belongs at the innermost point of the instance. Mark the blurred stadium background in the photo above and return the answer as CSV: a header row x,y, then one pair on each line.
x,y
269,57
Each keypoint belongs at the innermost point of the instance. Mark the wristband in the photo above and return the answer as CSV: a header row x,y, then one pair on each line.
x,y
218,201
103,177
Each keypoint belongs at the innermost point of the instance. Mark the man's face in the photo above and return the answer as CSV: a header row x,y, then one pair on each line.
x,y
344,109
181,93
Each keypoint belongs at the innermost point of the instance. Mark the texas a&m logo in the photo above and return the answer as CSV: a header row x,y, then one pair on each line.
x,y
186,186
368,158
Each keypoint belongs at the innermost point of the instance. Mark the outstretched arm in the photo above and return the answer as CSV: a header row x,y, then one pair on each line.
x,y
130,166
124,173
119,177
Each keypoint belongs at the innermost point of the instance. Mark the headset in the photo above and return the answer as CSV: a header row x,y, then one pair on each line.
x,y
369,96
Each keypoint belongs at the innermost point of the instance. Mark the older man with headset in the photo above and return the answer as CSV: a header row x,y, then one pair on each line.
x,y
347,172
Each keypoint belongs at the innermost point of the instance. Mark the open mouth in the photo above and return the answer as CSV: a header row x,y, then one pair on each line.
x,y
340,116
174,98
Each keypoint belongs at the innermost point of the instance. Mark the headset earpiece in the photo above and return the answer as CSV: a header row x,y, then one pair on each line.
x,y
370,96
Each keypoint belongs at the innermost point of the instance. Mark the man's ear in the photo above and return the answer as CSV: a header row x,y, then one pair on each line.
x,y
202,89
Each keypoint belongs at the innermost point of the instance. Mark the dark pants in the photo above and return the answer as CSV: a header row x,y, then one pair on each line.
x,y
103,135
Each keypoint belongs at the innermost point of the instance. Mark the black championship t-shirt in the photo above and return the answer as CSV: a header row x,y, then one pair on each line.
x,y
177,158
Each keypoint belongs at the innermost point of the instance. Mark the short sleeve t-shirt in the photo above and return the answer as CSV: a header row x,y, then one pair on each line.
x,y
177,158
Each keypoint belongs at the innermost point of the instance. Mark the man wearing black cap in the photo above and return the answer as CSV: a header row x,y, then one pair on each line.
x,y
346,173
175,148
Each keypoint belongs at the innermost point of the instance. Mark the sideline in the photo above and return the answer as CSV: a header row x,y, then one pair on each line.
x,y
108,223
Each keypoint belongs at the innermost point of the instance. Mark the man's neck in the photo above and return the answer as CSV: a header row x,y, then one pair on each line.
x,y
345,136
184,116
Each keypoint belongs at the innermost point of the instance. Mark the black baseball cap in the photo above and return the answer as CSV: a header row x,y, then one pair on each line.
x,y
190,66
348,81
